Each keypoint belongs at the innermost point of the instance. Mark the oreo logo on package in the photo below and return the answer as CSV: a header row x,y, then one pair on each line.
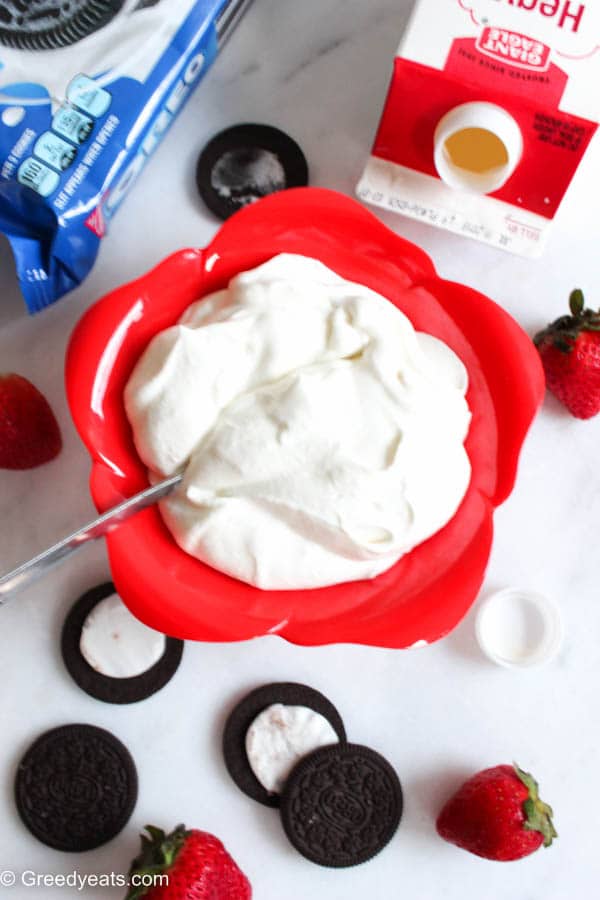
x,y
52,24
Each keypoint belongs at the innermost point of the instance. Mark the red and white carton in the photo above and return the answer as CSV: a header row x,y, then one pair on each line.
x,y
491,108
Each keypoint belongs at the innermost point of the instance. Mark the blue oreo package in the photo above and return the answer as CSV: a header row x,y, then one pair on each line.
x,y
87,91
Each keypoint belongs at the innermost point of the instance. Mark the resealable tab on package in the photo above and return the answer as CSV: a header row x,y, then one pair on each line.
x,y
491,108
87,91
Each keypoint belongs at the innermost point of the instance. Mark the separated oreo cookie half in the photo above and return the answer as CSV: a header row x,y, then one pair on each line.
x,y
112,655
244,163
341,805
270,730
52,24
76,787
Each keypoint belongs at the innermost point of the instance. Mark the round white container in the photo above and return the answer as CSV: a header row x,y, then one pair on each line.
x,y
519,628
489,118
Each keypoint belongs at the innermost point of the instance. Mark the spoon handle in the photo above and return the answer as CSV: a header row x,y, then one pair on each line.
x,y
29,571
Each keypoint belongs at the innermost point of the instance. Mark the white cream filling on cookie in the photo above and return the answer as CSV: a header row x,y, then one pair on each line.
x,y
279,737
116,644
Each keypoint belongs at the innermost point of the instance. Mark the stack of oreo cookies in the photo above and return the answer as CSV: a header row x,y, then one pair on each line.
x,y
340,803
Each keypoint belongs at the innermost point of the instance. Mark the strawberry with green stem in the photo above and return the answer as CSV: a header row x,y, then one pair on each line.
x,y
498,814
194,865
570,353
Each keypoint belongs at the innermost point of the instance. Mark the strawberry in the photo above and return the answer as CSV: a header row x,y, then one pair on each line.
x,y
197,866
570,352
29,433
497,814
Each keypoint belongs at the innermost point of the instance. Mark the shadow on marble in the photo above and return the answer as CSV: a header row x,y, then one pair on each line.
x,y
428,792
462,641
12,305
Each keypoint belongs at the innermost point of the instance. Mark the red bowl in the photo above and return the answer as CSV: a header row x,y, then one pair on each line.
x,y
428,591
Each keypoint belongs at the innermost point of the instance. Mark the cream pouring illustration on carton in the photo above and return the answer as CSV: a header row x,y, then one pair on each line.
x,y
491,108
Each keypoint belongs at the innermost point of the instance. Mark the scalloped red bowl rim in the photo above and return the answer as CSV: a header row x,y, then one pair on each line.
x,y
426,593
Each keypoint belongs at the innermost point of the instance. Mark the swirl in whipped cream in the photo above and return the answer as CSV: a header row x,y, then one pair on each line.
x,y
322,437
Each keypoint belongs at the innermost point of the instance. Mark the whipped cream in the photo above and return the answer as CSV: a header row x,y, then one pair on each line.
x,y
279,737
322,437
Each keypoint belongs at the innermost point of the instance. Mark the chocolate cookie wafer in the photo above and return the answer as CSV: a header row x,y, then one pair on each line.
x,y
51,24
111,655
341,805
76,787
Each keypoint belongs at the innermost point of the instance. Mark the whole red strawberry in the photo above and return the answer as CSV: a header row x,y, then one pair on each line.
x,y
29,433
194,865
570,352
498,814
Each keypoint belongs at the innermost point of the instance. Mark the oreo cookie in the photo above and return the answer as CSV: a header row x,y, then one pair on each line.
x,y
51,24
244,715
103,633
76,787
244,163
341,805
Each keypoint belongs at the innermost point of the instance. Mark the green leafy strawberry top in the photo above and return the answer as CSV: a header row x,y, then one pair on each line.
x,y
564,332
157,856
538,815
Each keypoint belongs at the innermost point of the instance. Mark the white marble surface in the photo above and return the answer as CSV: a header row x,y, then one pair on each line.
x,y
320,71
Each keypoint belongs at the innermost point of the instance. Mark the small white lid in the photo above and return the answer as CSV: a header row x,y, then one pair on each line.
x,y
488,117
519,628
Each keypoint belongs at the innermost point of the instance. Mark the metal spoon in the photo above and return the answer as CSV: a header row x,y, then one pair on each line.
x,y
24,574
